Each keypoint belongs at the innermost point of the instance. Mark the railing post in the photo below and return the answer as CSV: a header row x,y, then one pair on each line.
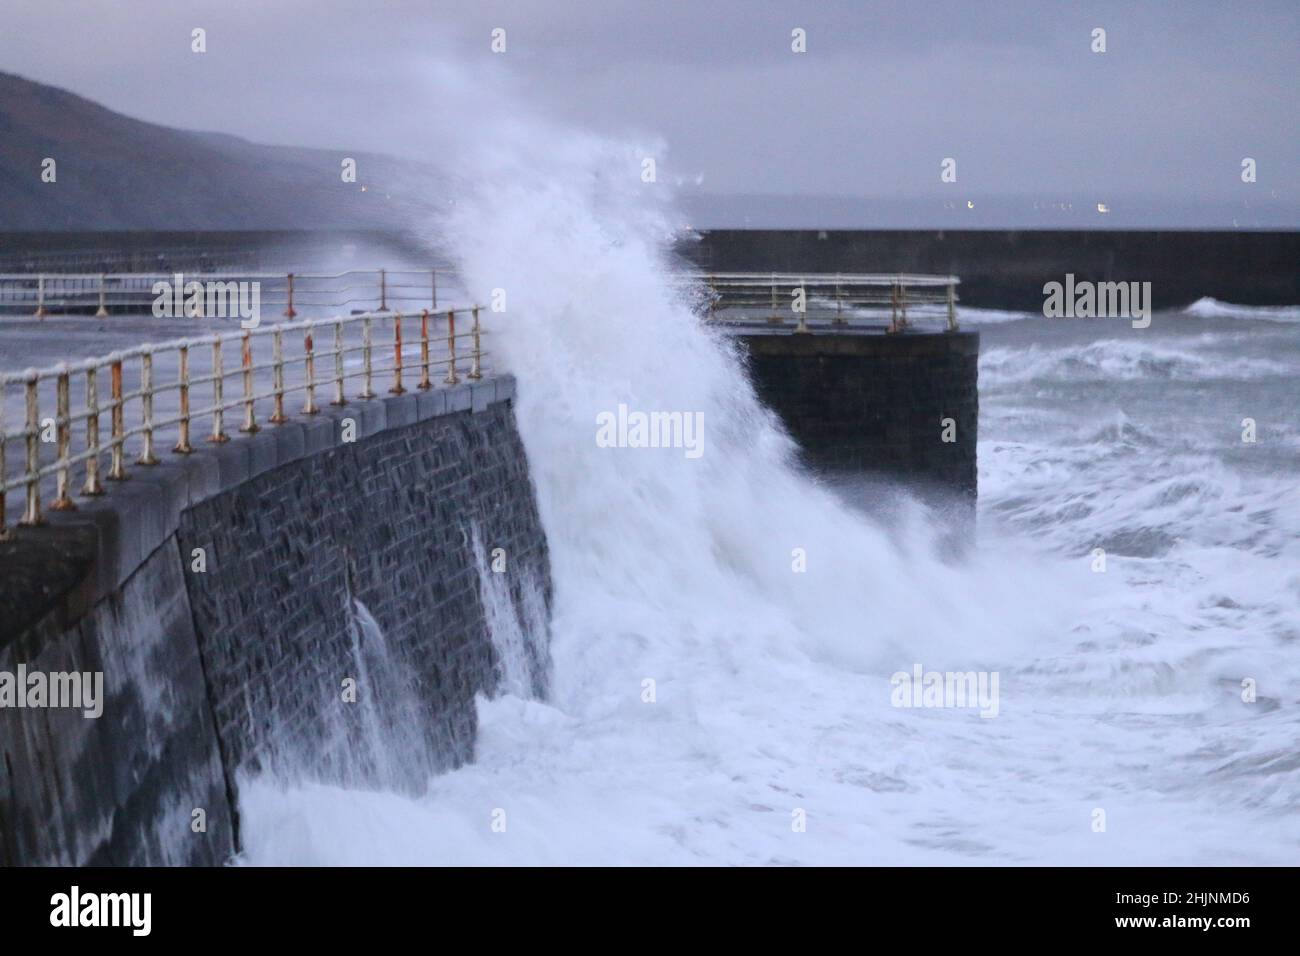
x,y
367,341
893,307
117,466
424,351
4,530
147,457
952,308
278,416
32,511
218,392
310,363
290,312
397,388
433,286
338,364
246,361
383,290
839,302
183,446
452,378
92,485
476,367
103,298
63,430
40,296
801,326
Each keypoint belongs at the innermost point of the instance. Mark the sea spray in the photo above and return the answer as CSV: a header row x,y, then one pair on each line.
x,y
725,629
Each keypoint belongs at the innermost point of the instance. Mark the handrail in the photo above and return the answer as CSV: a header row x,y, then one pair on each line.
x,y
41,294
152,418
841,299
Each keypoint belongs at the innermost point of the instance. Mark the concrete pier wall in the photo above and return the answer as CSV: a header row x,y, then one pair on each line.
x,y
903,405
1007,268
324,561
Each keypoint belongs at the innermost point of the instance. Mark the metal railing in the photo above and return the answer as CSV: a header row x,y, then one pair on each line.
x,y
843,299
143,419
380,290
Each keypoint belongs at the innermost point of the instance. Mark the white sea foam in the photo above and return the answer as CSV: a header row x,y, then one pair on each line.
x,y
1213,308
1118,359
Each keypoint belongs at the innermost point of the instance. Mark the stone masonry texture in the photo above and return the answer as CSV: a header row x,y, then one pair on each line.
x,y
242,667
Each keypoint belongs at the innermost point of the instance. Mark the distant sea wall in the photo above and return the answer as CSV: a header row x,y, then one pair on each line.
x,y
1006,269
319,599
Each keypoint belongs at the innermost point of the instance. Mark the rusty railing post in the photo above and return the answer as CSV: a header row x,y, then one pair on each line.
x,y
218,392
277,372
147,457
246,362
309,361
452,378
383,291
183,446
338,364
32,433
103,298
425,384
952,308
476,365
40,296
117,464
92,485
63,430
397,388
290,312
367,342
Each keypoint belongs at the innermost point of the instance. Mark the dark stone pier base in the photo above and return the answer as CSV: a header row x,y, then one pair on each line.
x,y
870,402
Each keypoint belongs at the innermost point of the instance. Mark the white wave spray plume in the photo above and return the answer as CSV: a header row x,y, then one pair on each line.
x,y
704,693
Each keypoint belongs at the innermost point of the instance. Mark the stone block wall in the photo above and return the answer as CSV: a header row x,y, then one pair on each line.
x,y
325,561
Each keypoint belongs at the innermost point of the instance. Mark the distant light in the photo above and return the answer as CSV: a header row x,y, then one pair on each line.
x,y
969,204
363,188
1102,207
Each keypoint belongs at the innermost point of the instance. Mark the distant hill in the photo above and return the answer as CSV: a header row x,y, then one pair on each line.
x,y
115,172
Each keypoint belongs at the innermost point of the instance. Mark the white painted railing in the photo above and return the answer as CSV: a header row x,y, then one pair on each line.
x,y
829,298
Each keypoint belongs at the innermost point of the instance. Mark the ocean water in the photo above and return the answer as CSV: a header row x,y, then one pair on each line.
x,y
709,703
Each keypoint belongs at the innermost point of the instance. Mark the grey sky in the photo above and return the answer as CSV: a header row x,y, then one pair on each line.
x,y
885,91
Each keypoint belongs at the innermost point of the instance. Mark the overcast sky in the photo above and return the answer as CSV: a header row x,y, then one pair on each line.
x,y
884,92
